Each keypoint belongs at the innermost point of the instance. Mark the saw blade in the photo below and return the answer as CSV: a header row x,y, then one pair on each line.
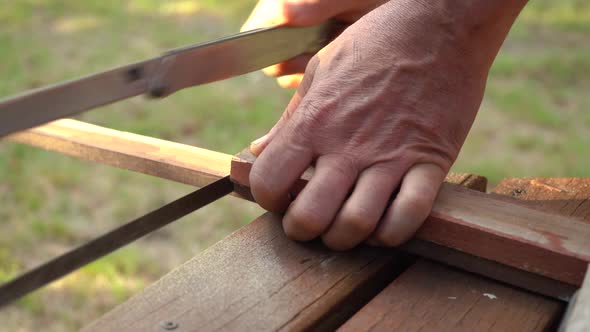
x,y
111,241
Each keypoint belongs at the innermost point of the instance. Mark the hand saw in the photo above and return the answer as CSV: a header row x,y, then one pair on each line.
x,y
158,77
163,75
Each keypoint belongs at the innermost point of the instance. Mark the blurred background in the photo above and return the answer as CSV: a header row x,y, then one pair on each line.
x,y
534,121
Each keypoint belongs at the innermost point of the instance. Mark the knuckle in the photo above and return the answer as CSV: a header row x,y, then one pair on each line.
x,y
391,240
264,193
417,199
360,221
343,167
304,225
313,64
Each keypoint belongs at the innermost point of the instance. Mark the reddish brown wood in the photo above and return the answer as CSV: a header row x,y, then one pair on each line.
x,y
568,196
498,229
490,269
173,161
257,279
426,289
510,233
432,297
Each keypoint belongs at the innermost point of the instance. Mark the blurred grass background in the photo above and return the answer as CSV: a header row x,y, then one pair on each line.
x,y
535,121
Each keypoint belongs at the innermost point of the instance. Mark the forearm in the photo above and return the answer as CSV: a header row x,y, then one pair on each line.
x,y
487,24
477,28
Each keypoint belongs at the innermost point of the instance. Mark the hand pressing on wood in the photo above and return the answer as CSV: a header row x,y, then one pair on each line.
x,y
382,112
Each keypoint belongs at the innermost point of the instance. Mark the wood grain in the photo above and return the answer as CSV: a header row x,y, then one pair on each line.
x,y
257,279
493,270
497,229
432,297
426,290
168,160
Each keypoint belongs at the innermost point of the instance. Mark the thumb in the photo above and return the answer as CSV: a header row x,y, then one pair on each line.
x,y
257,146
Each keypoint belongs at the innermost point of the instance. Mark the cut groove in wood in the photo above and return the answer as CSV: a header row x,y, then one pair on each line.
x,y
496,229
173,161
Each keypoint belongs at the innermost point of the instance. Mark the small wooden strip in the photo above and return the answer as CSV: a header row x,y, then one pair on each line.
x,y
497,229
432,297
509,233
168,160
577,319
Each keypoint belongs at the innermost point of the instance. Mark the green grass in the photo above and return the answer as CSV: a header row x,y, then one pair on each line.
x,y
534,122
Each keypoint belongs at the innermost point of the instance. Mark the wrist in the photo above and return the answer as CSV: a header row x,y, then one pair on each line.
x,y
470,31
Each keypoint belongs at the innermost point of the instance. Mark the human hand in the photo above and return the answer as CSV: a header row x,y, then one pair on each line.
x,y
303,13
384,108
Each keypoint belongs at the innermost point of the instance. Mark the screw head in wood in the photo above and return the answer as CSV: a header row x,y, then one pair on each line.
x,y
168,325
518,192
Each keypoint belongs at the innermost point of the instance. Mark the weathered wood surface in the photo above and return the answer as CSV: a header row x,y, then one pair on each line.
x,y
492,270
446,300
168,160
568,196
577,319
497,229
432,297
258,279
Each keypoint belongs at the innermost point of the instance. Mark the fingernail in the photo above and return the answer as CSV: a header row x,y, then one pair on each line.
x,y
256,145
289,81
259,140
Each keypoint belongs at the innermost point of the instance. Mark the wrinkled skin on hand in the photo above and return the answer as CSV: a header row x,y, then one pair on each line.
x,y
303,13
382,111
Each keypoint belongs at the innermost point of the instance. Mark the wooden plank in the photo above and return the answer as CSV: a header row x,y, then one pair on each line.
x,y
168,160
490,269
432,297
258,279
568,196
426,289
241,165
497,229
577,319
